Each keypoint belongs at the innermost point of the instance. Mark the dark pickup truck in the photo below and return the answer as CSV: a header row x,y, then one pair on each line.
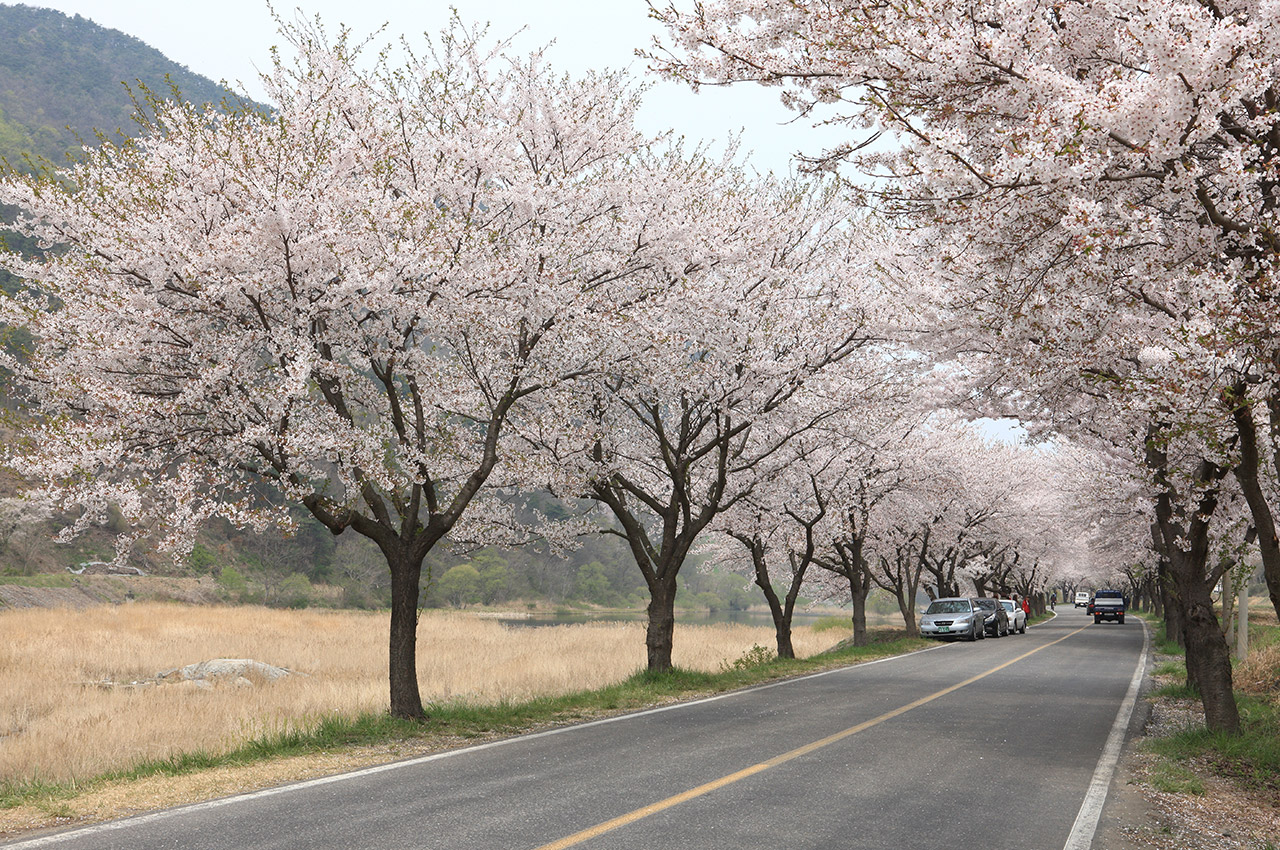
x,y
1108,605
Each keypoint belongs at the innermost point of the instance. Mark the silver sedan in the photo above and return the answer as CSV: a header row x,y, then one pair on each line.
x,y
952,617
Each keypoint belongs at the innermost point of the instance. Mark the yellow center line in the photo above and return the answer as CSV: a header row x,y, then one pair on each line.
x,y
714,785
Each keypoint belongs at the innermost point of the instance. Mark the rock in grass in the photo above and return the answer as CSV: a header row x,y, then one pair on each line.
x,y
226,669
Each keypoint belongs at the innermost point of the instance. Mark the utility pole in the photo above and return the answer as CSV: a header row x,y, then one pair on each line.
x,y
1242,621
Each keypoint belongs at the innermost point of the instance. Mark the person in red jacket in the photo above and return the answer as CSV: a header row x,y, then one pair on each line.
x,y
1026,607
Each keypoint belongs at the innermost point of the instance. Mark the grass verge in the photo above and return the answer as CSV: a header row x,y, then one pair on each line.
x,y
1251,757
451,721
49,580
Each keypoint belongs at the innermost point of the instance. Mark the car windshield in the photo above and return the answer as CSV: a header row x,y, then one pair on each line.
x,y
948,606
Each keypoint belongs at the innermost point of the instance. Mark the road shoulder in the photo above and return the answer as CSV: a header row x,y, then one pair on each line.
x,y
1139,816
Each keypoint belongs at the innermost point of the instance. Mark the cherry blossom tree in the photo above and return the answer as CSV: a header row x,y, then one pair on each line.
x,y
755,537
752,355
1105,174
1104,493
350,302
813,512
845,558
971,516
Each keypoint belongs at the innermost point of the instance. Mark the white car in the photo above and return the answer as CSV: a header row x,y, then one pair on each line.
x,y
1017,617
1082,599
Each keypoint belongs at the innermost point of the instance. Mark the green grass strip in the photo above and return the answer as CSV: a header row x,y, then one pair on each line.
x,y
44,580
1253,756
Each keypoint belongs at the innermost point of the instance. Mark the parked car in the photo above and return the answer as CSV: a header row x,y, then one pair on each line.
x,y
1108,605
951,617
1017,617
995,620
1082,598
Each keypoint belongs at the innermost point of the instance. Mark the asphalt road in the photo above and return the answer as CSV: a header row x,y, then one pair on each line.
x,y
994,745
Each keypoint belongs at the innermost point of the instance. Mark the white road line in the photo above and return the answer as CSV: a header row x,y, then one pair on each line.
x,y
1082,831
111,826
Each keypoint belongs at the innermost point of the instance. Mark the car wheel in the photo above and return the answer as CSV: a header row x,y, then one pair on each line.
x,y
1096,619
1122,621
974,632
1023,630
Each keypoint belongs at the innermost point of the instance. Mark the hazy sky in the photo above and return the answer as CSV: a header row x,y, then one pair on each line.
x,y
230,39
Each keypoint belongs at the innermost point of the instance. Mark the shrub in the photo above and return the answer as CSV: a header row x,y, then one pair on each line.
x,y
295,591
713,602
201,559
233,583
460,585
756,656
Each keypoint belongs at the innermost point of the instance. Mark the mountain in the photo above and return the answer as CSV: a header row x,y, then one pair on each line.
x,y
64,77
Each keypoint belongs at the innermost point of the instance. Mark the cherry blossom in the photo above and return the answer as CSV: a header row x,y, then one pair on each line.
x,y
1098,182
358,300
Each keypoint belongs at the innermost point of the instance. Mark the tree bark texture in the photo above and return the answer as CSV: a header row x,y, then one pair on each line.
x,y
1208,655
907,607
1184,545
406,700
1246,472
1166,602
859,590
780,611
659,636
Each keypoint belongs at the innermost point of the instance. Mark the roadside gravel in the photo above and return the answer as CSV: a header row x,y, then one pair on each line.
x,y
1226,816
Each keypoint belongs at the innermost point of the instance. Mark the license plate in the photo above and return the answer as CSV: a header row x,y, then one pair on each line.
x,y
944,628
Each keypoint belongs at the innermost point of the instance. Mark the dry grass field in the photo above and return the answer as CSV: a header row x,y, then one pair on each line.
x,y
61,721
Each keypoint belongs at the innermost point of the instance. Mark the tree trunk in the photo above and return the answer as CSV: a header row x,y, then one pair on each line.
x,y
1246,472
659,636
782,631
1271,571
859,590
1174,621
907,607
781,614
406,701
1209,654
1164,589
1184,537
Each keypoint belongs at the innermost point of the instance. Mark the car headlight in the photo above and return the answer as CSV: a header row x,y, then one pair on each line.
x,y
991,618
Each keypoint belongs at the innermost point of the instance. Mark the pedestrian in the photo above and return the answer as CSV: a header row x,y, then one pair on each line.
x,y
1026,607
